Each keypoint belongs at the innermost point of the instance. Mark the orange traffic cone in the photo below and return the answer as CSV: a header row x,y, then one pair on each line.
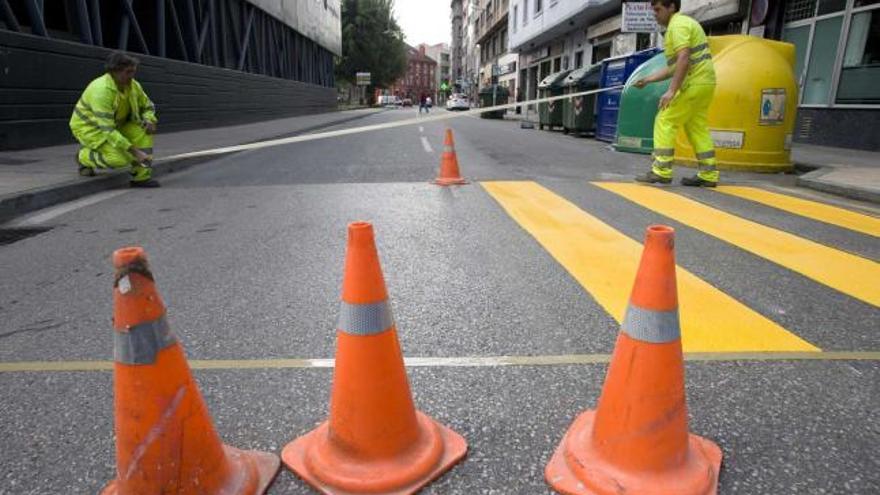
x,y
165,441
375,440
449,174
637,440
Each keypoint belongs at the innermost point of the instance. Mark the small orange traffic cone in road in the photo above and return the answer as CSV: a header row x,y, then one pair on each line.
x,y
637,440
449,174
375,440
165,440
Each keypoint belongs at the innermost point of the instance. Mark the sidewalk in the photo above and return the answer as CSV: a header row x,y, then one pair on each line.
x,y
842,171
41,177
846,172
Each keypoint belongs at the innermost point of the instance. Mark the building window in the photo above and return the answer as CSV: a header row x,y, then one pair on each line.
x,y
515,16
578,59
643,41
525,12
539,6
557,64
861,60
503,47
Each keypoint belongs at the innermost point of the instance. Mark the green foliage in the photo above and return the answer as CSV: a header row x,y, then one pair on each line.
x,y
371,42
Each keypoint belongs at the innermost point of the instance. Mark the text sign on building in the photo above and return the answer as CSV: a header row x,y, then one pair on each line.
x,y
638,17
363,78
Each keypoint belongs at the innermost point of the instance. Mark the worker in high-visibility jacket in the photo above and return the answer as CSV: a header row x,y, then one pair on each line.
x,y
686,102
114,121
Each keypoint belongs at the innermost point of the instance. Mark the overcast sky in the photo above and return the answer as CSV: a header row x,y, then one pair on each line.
x,y
424,21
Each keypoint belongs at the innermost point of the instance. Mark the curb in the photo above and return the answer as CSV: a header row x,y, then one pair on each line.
x,y
16,204
813,180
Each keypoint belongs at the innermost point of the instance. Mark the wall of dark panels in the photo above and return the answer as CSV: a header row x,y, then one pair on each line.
x,y
841,127
41,80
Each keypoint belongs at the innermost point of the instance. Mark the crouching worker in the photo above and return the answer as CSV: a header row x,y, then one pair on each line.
x,y
114,121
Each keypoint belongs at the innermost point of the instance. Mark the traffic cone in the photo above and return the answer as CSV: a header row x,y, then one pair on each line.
x,y
375,440
449,174
637,440
165,440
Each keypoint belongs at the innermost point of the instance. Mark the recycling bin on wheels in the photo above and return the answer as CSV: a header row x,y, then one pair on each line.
x,y
550,113
499,94
578,113
615,72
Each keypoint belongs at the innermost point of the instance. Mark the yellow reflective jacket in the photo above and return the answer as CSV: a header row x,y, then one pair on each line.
x,y
94,117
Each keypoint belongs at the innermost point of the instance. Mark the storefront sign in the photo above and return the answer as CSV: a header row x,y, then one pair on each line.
x,y
638,17
363,78
772,106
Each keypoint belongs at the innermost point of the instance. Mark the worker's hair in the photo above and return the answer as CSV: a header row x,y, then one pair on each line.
x,y
668,3
118,61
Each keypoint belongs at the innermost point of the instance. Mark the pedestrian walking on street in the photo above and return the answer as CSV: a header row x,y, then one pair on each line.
x,y
686,102
421,103
114,121
428,104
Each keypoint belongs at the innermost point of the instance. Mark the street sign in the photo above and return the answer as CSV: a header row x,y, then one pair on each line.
x,y
444,86
363,78
638,17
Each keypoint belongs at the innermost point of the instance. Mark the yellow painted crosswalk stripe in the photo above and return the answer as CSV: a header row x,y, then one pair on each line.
x,y
604,261
853,275
858,222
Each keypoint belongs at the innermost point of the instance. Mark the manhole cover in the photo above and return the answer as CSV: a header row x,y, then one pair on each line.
x,y
8,236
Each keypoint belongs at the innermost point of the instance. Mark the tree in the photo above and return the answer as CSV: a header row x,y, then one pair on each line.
x,y
371,42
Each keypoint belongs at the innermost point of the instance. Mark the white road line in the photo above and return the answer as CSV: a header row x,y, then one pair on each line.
x,y
421,129
427,145
44,216
449,362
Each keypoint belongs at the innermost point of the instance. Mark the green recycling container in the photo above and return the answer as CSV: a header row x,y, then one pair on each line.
x,y
638,107
579,112
501,94
550,113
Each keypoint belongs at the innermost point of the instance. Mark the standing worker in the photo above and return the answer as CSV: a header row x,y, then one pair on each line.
x,y
114,121
686,102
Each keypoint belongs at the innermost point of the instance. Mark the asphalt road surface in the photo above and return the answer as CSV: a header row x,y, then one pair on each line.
x,y
532,260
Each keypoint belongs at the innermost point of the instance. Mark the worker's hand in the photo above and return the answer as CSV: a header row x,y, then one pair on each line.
x,y
150,127
666,99
139,155
641,83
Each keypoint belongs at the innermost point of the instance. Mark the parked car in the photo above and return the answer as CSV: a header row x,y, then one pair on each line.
x,y
388,101
458,101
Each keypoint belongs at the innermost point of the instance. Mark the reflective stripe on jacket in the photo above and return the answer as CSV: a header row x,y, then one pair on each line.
x,y
94,117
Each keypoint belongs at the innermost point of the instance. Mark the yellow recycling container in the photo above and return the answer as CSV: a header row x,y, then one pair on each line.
x,y
753,113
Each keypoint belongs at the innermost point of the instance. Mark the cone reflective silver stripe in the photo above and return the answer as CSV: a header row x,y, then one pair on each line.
x,y
656,327
365,319
141,343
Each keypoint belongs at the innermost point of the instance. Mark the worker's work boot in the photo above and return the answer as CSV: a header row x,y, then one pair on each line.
x,y
87,171
697,181
652,178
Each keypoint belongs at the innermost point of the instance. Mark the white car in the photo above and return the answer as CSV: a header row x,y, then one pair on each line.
x,y
458,101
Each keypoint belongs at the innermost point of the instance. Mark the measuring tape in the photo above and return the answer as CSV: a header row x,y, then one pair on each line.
x,y
367,128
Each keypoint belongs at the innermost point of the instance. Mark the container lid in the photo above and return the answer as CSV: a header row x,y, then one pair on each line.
x,y
554,80
584,76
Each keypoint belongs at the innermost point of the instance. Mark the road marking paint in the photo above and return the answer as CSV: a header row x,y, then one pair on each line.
x,y
47,214
833,215
427,145
421,129
374,127
853,275
448,362
604,261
